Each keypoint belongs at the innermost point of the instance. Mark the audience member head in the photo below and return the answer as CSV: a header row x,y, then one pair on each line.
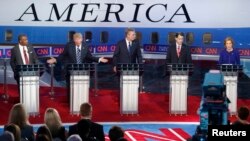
x,y
7,136
43,137
243,113
86,111
15,130
74,137
83,127
116,133
44,130
52,119
18,116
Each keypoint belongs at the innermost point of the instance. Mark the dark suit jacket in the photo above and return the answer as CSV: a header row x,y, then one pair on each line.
x,y
69,54
16,58
122,55
96,131
185,55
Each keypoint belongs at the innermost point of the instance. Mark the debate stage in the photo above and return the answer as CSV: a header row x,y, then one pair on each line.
x,y
152,122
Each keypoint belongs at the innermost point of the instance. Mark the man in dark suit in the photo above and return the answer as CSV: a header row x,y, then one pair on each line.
x,y
96,130
127,50
179,52
22,54
76,52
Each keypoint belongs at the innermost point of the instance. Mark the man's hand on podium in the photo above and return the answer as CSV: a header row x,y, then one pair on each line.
x,y
52,60
103,60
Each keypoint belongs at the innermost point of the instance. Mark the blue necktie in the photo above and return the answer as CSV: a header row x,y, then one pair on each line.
x,y
78,55
129,46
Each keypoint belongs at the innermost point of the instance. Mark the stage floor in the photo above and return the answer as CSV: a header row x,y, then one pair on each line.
x,y
152,123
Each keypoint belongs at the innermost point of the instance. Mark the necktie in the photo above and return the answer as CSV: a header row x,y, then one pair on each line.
x,y
178,51
129,46
25,56
78,55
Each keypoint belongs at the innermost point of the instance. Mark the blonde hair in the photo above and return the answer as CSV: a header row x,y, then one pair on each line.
x,y
52,114
77,35
229,39
18,116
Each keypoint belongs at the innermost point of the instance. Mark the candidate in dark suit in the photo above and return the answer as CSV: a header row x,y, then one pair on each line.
x,y
22,54
179,52
229,55
76,52
96,130
127,50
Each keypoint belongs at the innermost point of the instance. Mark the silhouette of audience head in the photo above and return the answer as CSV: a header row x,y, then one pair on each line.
x,y
42,137
43,132
15,130
18,116
52,120
7,136
116,133
243,114
86,110
74,137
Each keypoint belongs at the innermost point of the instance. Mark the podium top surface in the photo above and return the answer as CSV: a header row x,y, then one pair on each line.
x,y
230,68
130,67
84,66
35,67
180,67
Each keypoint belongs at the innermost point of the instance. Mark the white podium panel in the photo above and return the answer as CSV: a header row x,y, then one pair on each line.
x,y
178,94
29,93
231,92
79,92
129,94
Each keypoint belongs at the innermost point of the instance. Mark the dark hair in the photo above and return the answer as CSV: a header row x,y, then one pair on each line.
x,y
44,130
243,113
15,130
116,133
20,37
42,137
179,34
85,109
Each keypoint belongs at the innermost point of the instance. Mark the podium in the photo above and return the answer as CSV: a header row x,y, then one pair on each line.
x,y
29,86
179,74
79,85
230,73
129,87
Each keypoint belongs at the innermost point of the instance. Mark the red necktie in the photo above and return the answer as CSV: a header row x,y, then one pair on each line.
x,y
25,56
178,51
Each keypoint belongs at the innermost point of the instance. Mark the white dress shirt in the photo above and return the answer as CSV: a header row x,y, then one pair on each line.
x,y
22,54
